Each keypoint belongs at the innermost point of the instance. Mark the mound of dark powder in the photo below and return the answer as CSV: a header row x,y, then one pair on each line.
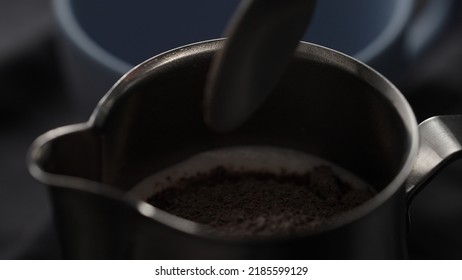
x,y
260,203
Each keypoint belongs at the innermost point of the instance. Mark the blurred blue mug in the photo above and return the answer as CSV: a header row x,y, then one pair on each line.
x,y
100,40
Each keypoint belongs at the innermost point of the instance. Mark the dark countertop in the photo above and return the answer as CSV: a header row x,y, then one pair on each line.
x,y
34,100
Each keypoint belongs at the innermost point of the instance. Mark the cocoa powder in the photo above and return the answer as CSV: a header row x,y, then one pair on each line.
x,y
244,203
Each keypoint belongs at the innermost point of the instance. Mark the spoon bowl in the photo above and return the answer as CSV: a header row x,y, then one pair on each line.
x,y
262,37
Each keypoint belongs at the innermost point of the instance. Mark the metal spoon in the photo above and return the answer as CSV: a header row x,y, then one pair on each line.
x,y
262,37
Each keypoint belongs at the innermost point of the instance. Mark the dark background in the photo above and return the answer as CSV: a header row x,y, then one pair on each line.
x,y
33,99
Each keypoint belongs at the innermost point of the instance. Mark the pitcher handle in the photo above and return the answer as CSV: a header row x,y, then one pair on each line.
x,y
440,144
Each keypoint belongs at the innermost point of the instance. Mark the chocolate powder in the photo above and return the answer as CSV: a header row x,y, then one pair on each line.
x,y
260,203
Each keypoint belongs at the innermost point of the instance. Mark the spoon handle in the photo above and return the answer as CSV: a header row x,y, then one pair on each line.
x,y
262,36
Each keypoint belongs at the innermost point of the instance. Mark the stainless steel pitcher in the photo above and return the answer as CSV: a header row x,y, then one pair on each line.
x,y
326,104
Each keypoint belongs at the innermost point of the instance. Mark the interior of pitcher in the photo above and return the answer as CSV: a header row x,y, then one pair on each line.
x,y
326,105
317,108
